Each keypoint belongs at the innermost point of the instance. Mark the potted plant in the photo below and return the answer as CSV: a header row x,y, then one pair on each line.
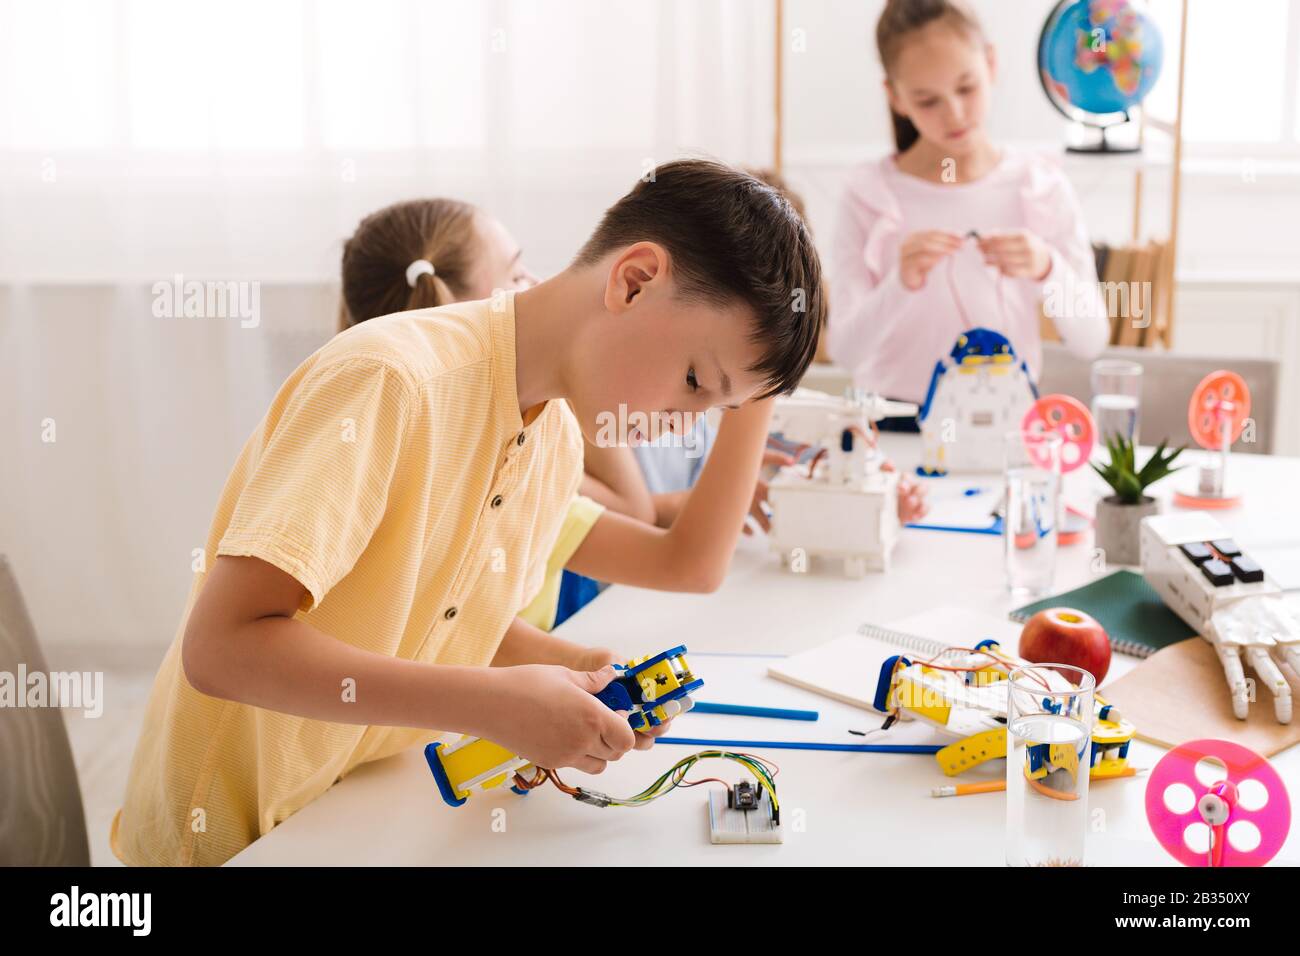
x,y
1120,514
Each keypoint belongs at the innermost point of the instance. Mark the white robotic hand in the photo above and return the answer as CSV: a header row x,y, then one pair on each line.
x,y
1262,631
1207,580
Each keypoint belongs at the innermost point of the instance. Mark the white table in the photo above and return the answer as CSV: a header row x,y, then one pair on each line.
x,y
840,808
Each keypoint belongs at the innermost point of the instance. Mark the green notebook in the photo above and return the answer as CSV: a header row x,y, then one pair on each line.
x,y
1138,621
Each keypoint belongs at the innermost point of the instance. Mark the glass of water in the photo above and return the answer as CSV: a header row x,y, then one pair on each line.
x,y
1049,738
1116,399
1031,516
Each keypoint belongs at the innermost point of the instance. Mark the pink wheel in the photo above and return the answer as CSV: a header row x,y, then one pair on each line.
x,y
1259,808
1220,395
1070,419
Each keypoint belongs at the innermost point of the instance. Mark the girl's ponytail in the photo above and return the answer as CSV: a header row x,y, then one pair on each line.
x,y
377,258
428,292
897,20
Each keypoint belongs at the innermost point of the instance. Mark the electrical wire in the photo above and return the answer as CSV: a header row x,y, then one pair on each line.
x,y
671,779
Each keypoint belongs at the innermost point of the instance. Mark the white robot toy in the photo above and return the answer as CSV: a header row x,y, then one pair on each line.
x,y
840,503
977,394
1199,571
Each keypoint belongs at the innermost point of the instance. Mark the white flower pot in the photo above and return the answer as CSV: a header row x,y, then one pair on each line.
x,y
1117,528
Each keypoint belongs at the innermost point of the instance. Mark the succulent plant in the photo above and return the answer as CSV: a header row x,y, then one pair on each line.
x,y
1128,483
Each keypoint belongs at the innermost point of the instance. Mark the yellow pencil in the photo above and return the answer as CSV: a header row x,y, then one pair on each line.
x,y
997,786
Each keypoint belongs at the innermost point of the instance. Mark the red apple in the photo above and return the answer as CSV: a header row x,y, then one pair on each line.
x,y
1062,635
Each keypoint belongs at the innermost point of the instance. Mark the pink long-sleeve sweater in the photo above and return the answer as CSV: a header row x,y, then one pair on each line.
x,y
890,337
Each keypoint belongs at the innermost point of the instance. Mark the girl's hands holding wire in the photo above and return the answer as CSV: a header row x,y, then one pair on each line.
x,y
548,714
1017,254
922,251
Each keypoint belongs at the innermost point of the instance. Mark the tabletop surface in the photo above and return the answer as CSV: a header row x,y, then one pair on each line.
x,y
838,808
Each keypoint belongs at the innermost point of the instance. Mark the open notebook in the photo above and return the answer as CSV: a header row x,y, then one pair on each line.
x,y
1136,618
845,669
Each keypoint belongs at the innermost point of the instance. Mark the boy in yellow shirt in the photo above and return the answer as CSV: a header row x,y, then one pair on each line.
x,y
398,503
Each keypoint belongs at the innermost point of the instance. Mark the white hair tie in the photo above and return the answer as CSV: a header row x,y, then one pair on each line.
x,y
419,267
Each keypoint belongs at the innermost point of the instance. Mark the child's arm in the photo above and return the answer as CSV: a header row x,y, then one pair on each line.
x,y
694,553
668,505
612,477
243,643
525,644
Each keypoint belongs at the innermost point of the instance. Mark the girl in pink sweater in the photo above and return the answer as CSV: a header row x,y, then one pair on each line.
x,y
952,232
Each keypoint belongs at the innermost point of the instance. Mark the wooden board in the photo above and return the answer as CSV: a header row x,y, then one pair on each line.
x,y
1180,694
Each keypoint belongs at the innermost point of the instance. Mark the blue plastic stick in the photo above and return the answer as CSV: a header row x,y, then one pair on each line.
x,y
802,745
742,710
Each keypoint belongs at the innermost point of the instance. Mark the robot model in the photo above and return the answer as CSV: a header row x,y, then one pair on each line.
x,y
981,391
963,692
1224,595
841,503
651,689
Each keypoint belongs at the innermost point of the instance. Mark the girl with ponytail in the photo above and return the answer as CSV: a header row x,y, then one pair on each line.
x,y
425,253
952,231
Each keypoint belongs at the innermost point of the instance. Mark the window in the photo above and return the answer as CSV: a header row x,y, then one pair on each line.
x,y
1242,82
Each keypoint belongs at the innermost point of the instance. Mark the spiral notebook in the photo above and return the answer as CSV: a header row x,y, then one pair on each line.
x,y
1138,622
846,668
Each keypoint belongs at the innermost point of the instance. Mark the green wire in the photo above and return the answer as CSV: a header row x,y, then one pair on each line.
x,y
675,776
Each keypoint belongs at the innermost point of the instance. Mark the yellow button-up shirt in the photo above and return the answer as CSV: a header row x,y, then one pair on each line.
x,y
394,478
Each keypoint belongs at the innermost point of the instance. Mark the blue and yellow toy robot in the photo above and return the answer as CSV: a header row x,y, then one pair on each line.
x,y
652,689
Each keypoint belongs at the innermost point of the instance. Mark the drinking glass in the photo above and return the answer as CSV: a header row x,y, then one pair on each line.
x,y
1116,399
1031,516
1049,741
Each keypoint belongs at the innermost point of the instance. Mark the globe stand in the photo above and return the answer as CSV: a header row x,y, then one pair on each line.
x,y
1104,146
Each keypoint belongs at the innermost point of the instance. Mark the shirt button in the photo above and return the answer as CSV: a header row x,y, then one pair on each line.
x,y
449,613
520,439
496,502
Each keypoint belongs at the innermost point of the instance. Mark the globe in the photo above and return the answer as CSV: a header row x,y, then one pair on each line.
x,y
1098,59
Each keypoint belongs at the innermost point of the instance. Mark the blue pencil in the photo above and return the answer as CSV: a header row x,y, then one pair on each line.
x,y
742,710
802,745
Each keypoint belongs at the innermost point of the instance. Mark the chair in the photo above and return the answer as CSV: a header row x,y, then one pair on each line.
x,y
41,818
1167,383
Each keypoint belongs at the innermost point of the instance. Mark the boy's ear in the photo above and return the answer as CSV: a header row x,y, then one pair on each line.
x,y
632,272
991,55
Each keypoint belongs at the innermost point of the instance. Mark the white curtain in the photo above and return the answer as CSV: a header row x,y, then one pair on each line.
x,y
240,142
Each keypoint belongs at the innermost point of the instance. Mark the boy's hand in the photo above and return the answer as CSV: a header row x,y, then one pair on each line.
x,y
911,497
922,251
595,658
548,714
1017,254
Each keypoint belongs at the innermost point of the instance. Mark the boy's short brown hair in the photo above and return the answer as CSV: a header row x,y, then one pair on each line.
x,y
730,237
